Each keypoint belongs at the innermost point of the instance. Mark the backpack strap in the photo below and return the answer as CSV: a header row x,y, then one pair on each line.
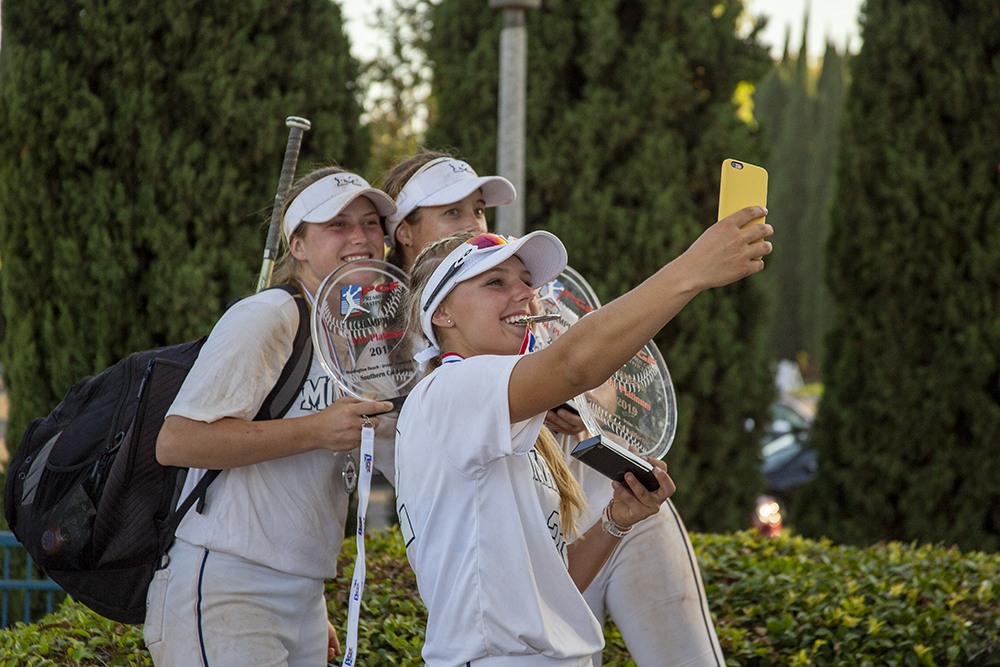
x,y
174,518
296,369
278,402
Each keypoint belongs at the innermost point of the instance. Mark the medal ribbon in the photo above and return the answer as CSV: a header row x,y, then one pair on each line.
x,y
528,345
358,582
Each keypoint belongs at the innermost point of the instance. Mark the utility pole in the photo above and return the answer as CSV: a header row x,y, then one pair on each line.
x,y
511,114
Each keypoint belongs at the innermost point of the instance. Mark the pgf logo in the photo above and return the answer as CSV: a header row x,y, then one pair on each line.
x,y
551,291
354,297
349,658
342,181
368,462
350,300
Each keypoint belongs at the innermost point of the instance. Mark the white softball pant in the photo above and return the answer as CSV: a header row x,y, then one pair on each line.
x,y
211,609
652,588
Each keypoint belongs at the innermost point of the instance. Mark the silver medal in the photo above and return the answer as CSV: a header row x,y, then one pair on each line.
x,y
350,474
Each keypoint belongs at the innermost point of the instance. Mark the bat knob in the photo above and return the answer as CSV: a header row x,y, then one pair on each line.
x,y
295,121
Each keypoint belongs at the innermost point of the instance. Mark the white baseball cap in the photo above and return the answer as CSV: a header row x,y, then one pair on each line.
x,y
328,196
543,254
445,181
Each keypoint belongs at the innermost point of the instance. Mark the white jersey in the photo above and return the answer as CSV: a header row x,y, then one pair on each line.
x,y
486,553
289,513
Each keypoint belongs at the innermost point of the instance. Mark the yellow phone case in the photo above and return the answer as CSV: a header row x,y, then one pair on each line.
x,y
743,184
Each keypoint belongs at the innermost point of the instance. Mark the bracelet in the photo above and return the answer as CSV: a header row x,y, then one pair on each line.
x,y
612,527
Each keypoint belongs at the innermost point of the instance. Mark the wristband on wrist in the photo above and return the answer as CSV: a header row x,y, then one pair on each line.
x,y
612,527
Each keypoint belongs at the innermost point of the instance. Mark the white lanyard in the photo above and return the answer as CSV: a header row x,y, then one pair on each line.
x,y
358,582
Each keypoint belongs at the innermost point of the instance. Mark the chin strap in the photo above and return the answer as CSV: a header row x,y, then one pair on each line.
x,y
423,357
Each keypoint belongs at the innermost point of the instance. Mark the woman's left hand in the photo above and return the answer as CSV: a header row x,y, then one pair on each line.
x,y
635,502
564,422
333,643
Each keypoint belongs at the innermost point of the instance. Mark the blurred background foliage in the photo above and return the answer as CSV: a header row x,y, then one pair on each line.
x,y
630,114
140,145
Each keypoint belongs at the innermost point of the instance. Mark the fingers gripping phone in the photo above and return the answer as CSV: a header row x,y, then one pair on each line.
x,y
742,185
613,461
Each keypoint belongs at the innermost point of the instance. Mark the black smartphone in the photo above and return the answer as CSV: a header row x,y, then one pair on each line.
x,y
567,407
613,461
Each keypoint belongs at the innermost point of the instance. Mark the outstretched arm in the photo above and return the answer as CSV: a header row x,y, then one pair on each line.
x,y
599,344
231,443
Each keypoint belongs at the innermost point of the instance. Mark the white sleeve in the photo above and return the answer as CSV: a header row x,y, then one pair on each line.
x,y
241,360
470,404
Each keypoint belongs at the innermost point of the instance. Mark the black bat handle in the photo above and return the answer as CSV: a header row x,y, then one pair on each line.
x,y
296,128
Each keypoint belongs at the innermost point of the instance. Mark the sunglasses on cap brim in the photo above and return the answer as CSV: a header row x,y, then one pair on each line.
x,y
478,242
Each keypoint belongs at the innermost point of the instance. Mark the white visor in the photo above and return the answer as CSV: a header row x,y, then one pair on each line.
x,y
543,254
328,196
445,181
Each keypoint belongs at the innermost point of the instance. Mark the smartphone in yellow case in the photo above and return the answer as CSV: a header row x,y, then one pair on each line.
x,y
743,184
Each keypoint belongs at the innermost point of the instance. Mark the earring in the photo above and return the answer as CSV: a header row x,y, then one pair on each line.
x,y
449,321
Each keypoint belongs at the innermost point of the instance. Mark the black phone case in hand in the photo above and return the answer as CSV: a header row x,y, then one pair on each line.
x,y
613,461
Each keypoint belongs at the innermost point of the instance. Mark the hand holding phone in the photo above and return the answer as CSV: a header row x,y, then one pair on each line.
x,y
613,461
742,185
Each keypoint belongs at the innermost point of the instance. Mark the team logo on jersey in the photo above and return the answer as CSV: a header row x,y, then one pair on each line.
x,y
551,291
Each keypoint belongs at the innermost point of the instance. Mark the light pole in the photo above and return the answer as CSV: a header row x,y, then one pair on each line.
x,y
511,112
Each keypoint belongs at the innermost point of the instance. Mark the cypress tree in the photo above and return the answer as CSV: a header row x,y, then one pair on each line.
x,y
788,196
908,431
771,96
140,147
800,117
629,116
814,301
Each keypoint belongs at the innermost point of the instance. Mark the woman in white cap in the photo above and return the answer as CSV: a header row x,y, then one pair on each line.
x,y
480,521
245,580
651,585
437,195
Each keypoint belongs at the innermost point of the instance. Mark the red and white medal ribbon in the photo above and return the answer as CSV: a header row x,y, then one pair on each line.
x,y
358,582
528,345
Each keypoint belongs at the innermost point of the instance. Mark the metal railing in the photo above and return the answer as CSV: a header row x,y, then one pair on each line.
x,y
25,581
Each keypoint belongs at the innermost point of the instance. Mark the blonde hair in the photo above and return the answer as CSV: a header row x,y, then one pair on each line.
x,y
572,501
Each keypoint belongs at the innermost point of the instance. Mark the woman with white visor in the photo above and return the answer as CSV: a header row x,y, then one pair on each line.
x,y
245,580
480,521
437,195
651,585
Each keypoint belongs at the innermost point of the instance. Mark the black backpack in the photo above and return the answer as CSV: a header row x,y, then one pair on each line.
x,y
85,494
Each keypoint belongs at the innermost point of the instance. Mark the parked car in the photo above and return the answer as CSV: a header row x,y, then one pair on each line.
x,y
787,460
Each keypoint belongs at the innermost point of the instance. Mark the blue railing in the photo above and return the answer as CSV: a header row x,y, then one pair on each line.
x,y
28,584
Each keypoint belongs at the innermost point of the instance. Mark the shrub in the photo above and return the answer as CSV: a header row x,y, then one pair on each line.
x,y
779,601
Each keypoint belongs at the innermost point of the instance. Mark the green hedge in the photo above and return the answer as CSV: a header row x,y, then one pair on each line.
x,y
781,601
